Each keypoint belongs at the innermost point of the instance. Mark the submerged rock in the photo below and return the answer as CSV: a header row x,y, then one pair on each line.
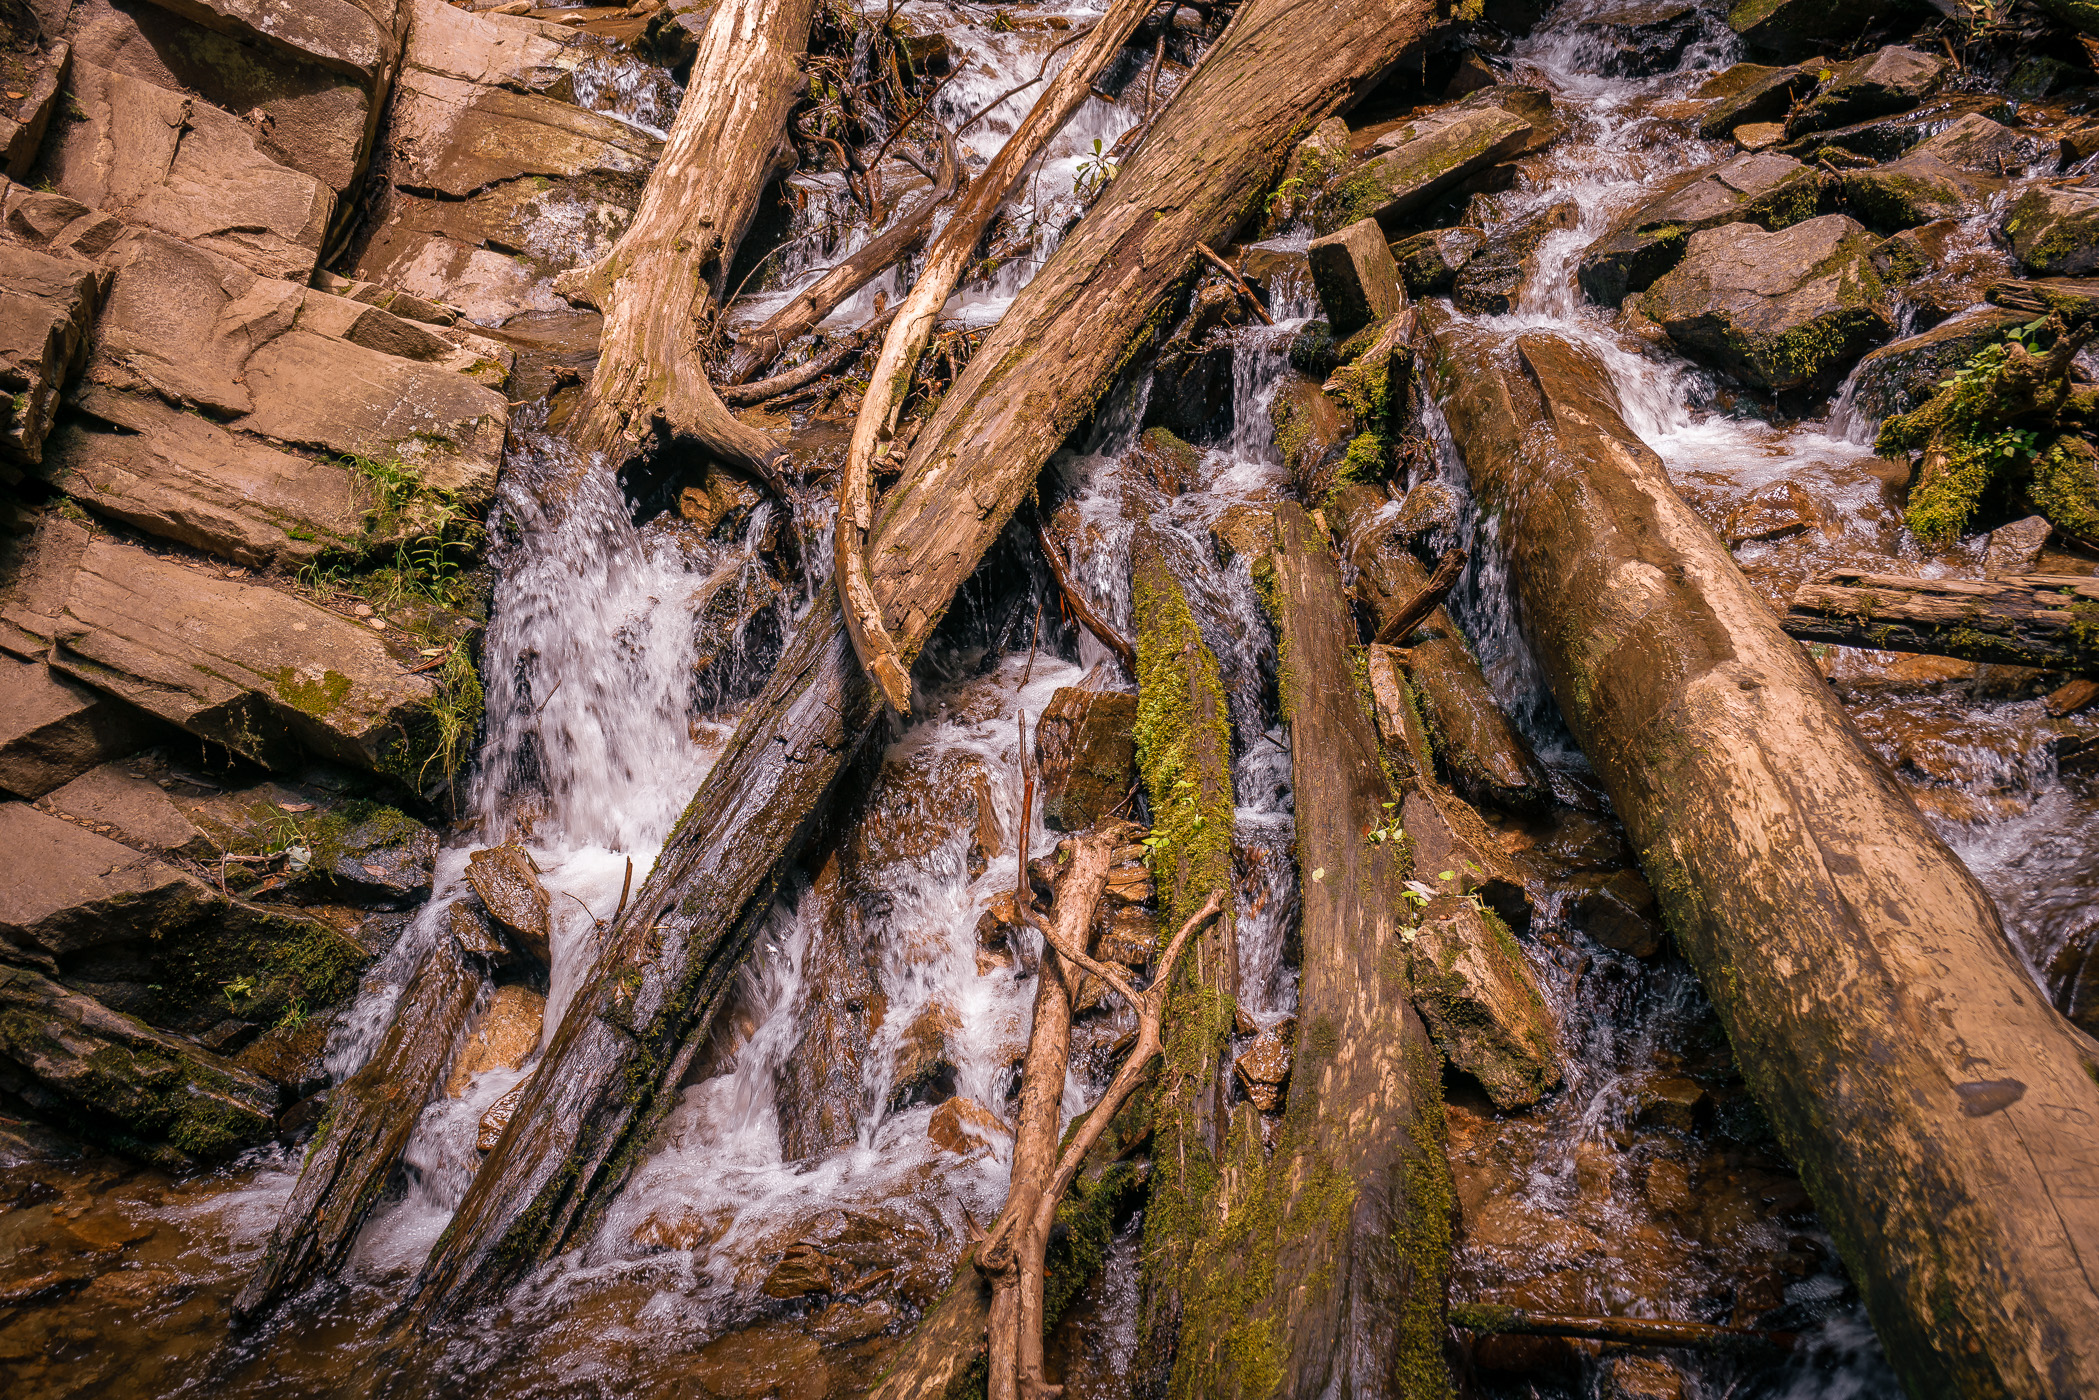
x,y
1783,310
508,886
965,1128
819,1089
1473,988
1617,911
503,1036
1087,748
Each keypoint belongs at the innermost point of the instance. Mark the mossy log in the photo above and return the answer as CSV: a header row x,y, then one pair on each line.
x,y
2049,621
1324,1269
367,1126
631,1029
662,284
1940,1112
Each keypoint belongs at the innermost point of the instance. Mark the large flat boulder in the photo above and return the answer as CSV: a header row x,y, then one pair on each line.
x,y
122,1083
1892,79
1428,158
53,729
2054,230
47,305
1915,189
264,672
1784,310
162,160
119,801
72,890
1768,190
356,37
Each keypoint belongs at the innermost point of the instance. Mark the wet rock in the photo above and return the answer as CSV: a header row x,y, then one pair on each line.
x,y
1429,507
1355,277
1476,747
2054,231
73,890
1759,136
1473,988
920,805
1642,37
1775,511
509,889
1915,189
1939,270
1127,934
1243,531
1429,263
735,631
385,861
2016,548
47,305
161,160
1976,143
1901,376
965,1128
503,1036
1166,461
1793,28
1263,1068
1619,912
1428,158
264,672
1641,1378
1884,138
1889,80
2073,697
1493,278
926,1062
120,1082
804,1269
1769,191
476,935
1311,433
1778,311
1088,755
53,729
1751,92
818,1090
1191,389
489,1131
719,503
117,802
1668,1101
294,1057
673,32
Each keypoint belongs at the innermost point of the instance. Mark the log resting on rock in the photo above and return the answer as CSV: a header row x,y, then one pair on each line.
x,y
2050,621
661,285
1941,1113
1280,68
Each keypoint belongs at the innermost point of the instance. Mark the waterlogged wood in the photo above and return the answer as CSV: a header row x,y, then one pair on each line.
x,y
1324,1272
1280,68
662,284
2050,621
803,375
1944,1118
367,1126
874,427
1493,1319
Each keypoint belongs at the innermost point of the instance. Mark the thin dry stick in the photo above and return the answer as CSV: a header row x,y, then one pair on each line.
x,y
874,430
1151,79
1431,597
803,375
1092,621
1237,281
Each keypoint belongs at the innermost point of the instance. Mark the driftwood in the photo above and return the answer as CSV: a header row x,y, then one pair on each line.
x,y
1492,1319
760,345
2049,621
366,1129
1103,630
1246,293
874,428
1415,611
1324,1267
661,286
1938,1109
662,974
803,375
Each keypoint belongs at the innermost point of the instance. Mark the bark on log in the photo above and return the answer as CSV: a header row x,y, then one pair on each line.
x,y
367,1126
661,285
789,380
1940,1112
1326,1275
1494,1319
630,1030
2050,621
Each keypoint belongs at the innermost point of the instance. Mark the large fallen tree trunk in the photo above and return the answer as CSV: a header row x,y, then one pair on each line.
x,y
369,1119
1941,1114
628,1034
2045,620
661,285
1323,1268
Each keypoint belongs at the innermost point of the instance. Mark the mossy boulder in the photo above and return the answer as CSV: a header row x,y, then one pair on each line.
x,y
1427,158
1900,376
1793,28
2054,231
1761,188
1429,262
1916,189
1893,79
1476,993
1778,311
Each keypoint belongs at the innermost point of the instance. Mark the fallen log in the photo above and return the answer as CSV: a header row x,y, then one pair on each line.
x,y
1103,631
1939,1111
1323,1269
2048,621
633,1024
874,428
369,1119
802,375
1425,600
661,285
1496,1319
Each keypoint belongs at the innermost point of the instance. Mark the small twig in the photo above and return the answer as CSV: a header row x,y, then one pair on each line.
x,y
1089,619
625,887
1034,642
1448,571
807,373
1237,281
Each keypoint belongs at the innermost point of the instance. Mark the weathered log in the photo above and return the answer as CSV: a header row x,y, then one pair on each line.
x,y
1103,631
2049,621
629,1031
874,427
661,285
1939,1110
1324,1269
367,1126
762,344
1495,1319
1425,600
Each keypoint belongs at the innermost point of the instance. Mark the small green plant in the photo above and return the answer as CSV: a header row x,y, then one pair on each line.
x,y
457,708
294,1015
1096,169
1388,830
1002,23
239,990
